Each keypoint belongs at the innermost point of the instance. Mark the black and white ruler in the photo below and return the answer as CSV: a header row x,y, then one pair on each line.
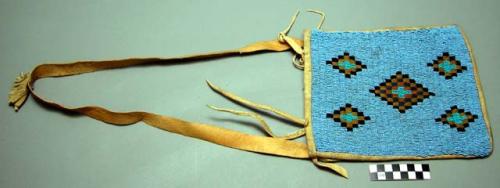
x,y
399,172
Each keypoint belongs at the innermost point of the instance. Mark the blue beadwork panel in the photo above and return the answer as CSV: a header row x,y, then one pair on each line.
x,y
396,93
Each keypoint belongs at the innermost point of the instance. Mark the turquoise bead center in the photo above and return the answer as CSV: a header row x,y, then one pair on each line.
x,y
348,117
401,92
345,64
456,118
447,66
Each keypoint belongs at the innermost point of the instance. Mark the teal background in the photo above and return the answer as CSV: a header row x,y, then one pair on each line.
x,y
389,132
43,148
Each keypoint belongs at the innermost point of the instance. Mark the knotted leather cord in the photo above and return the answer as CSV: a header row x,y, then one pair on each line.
x,y
298,59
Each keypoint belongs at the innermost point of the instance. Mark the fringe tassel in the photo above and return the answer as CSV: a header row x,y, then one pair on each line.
x,y
19,91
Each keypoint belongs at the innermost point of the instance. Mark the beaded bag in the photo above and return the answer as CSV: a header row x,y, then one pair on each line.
x,y
406,93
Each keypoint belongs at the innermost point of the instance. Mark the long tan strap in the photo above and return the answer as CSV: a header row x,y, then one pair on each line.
x,y
280,146
276,146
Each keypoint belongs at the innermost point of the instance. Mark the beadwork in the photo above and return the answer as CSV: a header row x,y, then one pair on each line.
x,y
406,99
401,92
447,66
348,117
346,64
457,118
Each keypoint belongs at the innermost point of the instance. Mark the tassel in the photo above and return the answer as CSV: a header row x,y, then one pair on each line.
x,y
19,91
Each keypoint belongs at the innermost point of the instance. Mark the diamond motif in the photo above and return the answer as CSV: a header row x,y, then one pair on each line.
x,y
401,92
346,64
348,117
446,65
458,118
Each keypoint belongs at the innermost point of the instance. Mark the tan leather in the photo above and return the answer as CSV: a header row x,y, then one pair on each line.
x,y
214,134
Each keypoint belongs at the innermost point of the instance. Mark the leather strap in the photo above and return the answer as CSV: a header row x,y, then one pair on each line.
x,y
260,144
